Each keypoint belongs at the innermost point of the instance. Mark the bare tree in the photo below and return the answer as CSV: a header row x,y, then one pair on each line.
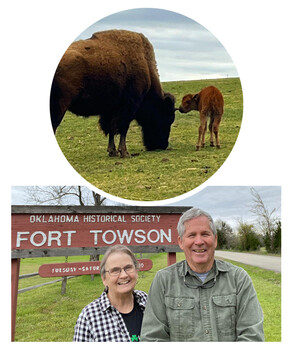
x,y
98,200
63,195
266,218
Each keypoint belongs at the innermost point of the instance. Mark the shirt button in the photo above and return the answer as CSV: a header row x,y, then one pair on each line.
x,y
204,308
206,331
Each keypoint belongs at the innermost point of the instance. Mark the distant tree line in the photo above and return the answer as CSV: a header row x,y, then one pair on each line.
x,y
247,238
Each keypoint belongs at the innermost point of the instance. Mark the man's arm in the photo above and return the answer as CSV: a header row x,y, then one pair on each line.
x,y
155,324
249,315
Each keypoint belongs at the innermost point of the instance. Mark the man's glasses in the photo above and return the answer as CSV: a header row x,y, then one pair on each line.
x,y
115,271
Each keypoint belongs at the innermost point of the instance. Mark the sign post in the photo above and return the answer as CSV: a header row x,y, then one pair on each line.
x,y
44,231
15,264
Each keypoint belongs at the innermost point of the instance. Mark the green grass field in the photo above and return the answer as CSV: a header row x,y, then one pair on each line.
x,y
44,315
156,175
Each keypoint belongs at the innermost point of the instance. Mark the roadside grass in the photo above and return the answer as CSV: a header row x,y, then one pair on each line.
x,y
268,287
156,175
44,315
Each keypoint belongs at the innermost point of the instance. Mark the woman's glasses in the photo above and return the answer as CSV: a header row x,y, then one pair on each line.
x,y
115,271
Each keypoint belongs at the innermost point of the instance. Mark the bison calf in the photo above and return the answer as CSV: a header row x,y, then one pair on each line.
x,y
209,102
113,74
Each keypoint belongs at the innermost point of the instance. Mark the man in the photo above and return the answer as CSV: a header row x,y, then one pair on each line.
x,y
200,298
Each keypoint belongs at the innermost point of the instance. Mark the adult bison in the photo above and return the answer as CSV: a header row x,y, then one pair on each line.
x,y
114,75
210,103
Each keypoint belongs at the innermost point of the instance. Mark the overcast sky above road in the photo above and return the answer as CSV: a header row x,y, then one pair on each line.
x,y
184,49
228,203
233,203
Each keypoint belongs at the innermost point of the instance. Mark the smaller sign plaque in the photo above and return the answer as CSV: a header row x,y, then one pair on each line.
x,y
82,268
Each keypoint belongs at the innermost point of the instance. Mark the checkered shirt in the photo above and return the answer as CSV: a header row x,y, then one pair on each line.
x,y
100,321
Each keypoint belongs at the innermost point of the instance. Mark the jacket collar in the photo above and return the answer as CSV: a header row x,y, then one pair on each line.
x,y
104,301
218,266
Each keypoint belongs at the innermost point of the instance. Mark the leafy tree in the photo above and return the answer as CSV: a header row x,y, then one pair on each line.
x,y
248,238
276,237
226,237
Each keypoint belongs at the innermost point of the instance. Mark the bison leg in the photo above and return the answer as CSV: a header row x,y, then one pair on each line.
x,y
203,135
211,132
123,130
217,120
122,147
202,129
112,152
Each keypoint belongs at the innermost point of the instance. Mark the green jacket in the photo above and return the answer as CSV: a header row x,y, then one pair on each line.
x,y
222,308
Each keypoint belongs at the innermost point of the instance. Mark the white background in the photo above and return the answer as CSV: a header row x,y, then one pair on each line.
x,y
34,36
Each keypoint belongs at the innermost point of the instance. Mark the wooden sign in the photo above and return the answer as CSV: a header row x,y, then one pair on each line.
x,y
42,231
82,268
52,227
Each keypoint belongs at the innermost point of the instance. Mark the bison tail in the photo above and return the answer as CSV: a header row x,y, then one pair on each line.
x,y
56,111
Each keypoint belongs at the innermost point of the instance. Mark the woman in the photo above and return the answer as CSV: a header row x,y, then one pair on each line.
x,y
117,314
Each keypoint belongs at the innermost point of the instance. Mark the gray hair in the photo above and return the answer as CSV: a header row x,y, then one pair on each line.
x,y
194,213
117,249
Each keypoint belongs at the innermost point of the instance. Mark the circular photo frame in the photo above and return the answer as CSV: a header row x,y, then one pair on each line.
x,y
146,104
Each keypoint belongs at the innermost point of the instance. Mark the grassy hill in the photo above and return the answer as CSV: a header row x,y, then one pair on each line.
x,y
157,175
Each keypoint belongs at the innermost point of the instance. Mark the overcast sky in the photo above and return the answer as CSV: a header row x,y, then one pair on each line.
x,y
184,49
233,203
228,203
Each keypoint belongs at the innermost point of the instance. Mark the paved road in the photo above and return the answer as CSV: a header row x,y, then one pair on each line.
x,y
263,261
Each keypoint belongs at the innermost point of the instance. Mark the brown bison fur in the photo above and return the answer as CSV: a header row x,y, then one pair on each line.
x,y
209,102
114,75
